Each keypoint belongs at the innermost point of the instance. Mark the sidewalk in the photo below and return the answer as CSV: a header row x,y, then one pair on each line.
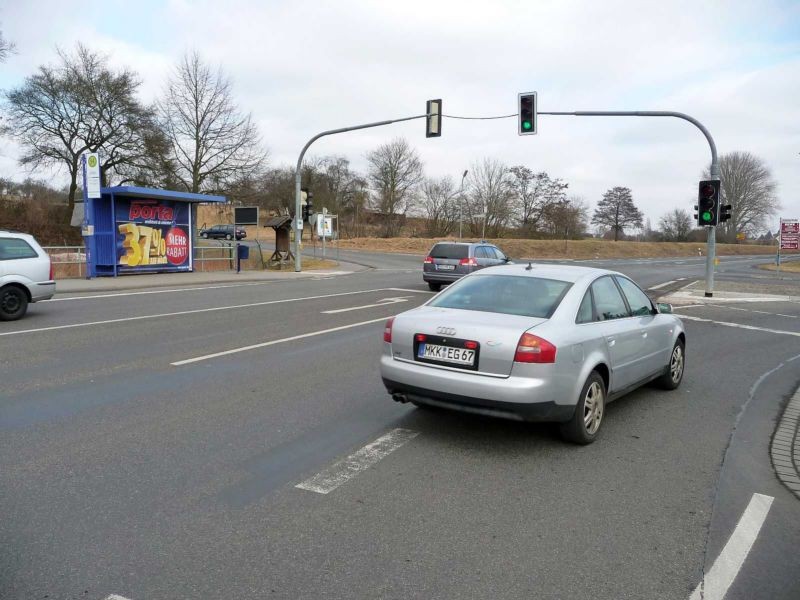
x,y
734,291
166,280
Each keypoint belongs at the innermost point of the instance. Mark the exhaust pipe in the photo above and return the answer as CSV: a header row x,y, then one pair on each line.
x,y
398,397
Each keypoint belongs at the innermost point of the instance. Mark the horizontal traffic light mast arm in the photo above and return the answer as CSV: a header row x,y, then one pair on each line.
x,y
649,113
297,174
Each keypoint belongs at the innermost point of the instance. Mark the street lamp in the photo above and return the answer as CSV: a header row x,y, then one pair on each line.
x,y
461,203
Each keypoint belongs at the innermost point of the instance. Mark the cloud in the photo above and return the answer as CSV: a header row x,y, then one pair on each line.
x,y
307,66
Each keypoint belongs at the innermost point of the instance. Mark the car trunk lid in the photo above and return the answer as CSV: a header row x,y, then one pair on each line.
x,y
496,334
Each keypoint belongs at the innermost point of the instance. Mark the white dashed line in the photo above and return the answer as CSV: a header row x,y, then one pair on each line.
x,y
188,361
724,570
115,597
344,470
740,326
666,283
169,291
192,312
384,302
760,312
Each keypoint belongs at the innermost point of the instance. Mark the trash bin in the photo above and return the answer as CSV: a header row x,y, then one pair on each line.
x,y
243,252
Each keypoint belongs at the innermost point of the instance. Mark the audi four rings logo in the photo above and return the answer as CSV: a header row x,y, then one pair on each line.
x,y
446,330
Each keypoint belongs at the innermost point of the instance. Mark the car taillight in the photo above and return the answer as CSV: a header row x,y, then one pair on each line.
x,y
420,337
52,271
428,260
470,262
387,330
533,349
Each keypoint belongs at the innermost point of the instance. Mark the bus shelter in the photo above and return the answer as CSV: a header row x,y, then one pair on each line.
x,y
131,230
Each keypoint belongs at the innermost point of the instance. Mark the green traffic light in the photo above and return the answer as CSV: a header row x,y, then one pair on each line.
x,y
527,124
706,216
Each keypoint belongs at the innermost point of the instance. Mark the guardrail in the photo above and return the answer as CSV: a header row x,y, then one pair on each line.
x,y
67,255
218,257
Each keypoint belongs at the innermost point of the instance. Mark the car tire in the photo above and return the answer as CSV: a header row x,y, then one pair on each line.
x,y
435,287
584,427
673,376
13,303
204,236
228,236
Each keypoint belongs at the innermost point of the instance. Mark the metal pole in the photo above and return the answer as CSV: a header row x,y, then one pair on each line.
x,y
298,175
711,239
461,204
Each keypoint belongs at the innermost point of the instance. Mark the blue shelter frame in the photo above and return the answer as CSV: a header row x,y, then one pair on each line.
x,y
104,227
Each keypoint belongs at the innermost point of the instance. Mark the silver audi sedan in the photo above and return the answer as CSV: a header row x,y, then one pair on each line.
x,y
533,342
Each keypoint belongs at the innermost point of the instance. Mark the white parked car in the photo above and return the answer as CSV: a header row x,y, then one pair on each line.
x,y
26,274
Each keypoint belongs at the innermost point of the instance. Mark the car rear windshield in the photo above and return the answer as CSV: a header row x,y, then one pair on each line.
x,y
506,294
450,251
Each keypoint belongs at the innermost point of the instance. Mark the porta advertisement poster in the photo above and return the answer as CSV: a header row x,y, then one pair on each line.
x,y
153,235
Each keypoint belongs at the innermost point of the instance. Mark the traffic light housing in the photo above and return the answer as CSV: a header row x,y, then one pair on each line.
x,y
724,212
433,121
527,114
307,206
708,208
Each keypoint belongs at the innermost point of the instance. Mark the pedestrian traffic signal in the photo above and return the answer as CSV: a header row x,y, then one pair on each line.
x,y
527,114
708,203
433,122
724,212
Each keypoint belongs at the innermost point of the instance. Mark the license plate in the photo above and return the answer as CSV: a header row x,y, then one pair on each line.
x,y
445,267
459,356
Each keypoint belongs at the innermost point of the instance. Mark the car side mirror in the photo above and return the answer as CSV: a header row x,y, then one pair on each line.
x,y
507,259
665,308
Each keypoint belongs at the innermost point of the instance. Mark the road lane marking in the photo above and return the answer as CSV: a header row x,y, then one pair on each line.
x,y
384,302
761,312
410,290
719,578
169,291
115,597
666,283
189,312
340,472
741,326
273,342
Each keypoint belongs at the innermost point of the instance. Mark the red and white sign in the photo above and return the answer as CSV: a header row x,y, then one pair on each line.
x,y
790,234
177,242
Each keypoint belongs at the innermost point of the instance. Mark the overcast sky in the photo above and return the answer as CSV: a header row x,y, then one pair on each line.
x,y
305,66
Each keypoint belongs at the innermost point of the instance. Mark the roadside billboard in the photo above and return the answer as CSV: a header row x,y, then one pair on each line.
x,y
152,235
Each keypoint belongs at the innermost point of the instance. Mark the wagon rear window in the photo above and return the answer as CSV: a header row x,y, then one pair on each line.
x,y
11,248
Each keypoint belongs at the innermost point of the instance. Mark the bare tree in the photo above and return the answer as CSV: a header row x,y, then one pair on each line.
x,y
490,194
395,172
77,106
616,211
440,201
534,194
211,143
676,225
749,187
6,48
567,218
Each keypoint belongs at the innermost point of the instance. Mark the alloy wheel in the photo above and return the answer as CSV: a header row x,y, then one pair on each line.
x,y
593,405
676,364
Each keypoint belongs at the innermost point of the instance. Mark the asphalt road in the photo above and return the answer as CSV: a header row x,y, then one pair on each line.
x,y
128,471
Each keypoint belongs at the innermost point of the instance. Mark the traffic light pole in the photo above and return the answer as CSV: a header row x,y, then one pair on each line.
x,y
297,175
711,239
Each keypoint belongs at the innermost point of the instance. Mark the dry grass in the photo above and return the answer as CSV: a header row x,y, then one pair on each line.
x,y
577,249
787,267
309,264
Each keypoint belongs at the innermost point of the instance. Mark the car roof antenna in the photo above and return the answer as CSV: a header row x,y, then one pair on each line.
x,y
529,267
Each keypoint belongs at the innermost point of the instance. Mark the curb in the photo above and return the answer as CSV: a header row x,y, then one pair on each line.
x,y
785,446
